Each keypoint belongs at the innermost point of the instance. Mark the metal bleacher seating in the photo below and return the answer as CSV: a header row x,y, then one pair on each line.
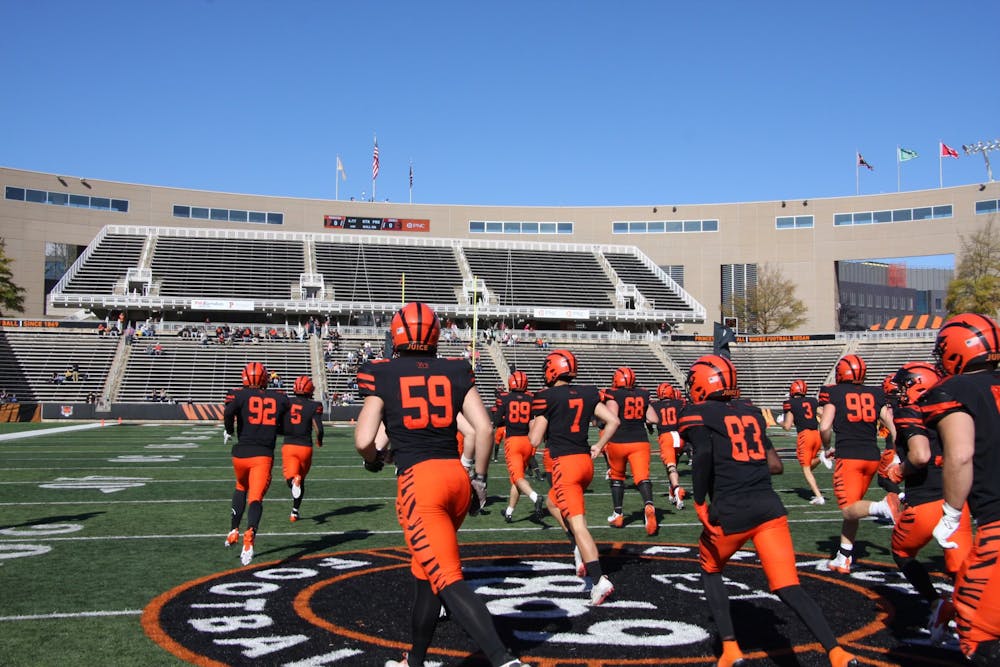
x,y
190,371
108,262
557,279
886,356
374,272
227,268
28,360
631,270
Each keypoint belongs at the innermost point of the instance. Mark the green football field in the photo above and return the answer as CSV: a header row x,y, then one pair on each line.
x,y
96,523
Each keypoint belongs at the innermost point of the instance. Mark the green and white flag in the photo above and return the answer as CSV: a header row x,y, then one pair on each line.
x,y
906,154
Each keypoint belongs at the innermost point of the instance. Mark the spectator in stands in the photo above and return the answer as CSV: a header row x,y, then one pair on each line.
x,y
335,336
57,378
101,329
203,338
129,335
336,368
92,398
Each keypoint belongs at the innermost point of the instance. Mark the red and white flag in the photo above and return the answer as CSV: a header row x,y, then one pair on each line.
x,y
948,151
863,163
375,161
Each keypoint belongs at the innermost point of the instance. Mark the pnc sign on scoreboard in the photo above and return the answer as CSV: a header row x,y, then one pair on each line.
x,y
356,223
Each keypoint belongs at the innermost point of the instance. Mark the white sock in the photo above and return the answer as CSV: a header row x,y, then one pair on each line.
x,y
509,511
879,508
533,496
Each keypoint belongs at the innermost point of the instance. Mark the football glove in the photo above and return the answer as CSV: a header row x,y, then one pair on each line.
x,y
894,473
947,526
887,460
225,438
374,466
478,500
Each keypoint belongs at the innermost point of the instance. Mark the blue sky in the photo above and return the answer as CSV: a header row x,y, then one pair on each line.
x,y
534,103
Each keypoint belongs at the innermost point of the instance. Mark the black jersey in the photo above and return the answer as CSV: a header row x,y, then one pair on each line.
x,y
668,410
303,417
977,394
569,409
804,411
855,420
729,444
924,485
422,397
513,410
255,415
632,403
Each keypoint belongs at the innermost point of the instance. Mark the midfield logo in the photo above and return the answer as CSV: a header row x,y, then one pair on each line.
x,y
352,608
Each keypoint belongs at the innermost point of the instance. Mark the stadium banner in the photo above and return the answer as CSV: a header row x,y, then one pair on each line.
x,y
562,313
46,324
19,412
352,223
221,304
148,412
769,338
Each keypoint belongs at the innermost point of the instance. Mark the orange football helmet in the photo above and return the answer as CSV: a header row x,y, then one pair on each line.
x,y
967,342
254,375
851,368
304,386
711,376
889,386
798,388
666,391
559,365
415,328
623,377
913,379
518,381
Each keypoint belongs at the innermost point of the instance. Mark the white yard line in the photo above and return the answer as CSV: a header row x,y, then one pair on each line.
x,y
55,429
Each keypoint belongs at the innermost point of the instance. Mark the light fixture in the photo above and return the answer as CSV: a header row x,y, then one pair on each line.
x,y
982,186
84,183
675,209
782,204
63,181
983,147
805,202
654,209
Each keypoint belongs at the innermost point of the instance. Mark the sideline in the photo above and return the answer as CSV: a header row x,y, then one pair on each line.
x,y
57,429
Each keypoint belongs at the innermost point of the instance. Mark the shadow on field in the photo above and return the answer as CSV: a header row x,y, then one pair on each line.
x,y
346,510
61,518
332,542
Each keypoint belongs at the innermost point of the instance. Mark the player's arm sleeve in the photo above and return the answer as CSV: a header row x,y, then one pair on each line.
x,y
701,463
318,424
229,417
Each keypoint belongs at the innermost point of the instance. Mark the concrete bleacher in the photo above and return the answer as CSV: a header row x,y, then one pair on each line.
x,y
765,371
106,265
227,268
374,272
632,271
886,356
548,278
192,372
28,360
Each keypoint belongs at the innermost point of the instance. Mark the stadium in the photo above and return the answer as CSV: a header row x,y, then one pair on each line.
x,y
143,303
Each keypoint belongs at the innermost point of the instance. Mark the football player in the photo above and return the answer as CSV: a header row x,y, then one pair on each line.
x,y
419,397
733,463
254,414
964,409
561,414
919,468
304,416
850,411
802,411
513,414
664,413
629,446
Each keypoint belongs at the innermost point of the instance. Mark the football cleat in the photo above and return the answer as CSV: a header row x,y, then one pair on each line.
x,y
540,509
294,516
601,591
616,520
651,524
942,613
233,537
397,663
731,656
508,516
840,563
247,554
581,567
841,658
817,500
892,500
297,487
678,498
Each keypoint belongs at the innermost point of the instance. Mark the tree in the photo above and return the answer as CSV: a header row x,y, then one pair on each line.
x,y
976,287
11,295
770,305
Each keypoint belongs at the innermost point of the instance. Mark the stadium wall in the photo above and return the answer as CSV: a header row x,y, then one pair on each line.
x,y
747,231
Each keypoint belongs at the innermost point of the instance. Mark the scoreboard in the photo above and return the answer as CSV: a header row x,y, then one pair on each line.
x,y
353,223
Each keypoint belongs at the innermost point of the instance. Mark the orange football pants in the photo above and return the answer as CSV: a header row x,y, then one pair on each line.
x,y
807,444
633,454
915,529
253,475
432,499
517,450
296,460
773,541
851,479
571,475
670,442
977,591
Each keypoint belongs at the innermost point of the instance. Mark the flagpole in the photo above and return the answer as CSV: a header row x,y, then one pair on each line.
x,y
475,321
857,172
940,164
336,180
411,181
898,170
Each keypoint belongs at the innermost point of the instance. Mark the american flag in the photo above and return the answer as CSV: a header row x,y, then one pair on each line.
x,y
375,161
411,176
863,163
